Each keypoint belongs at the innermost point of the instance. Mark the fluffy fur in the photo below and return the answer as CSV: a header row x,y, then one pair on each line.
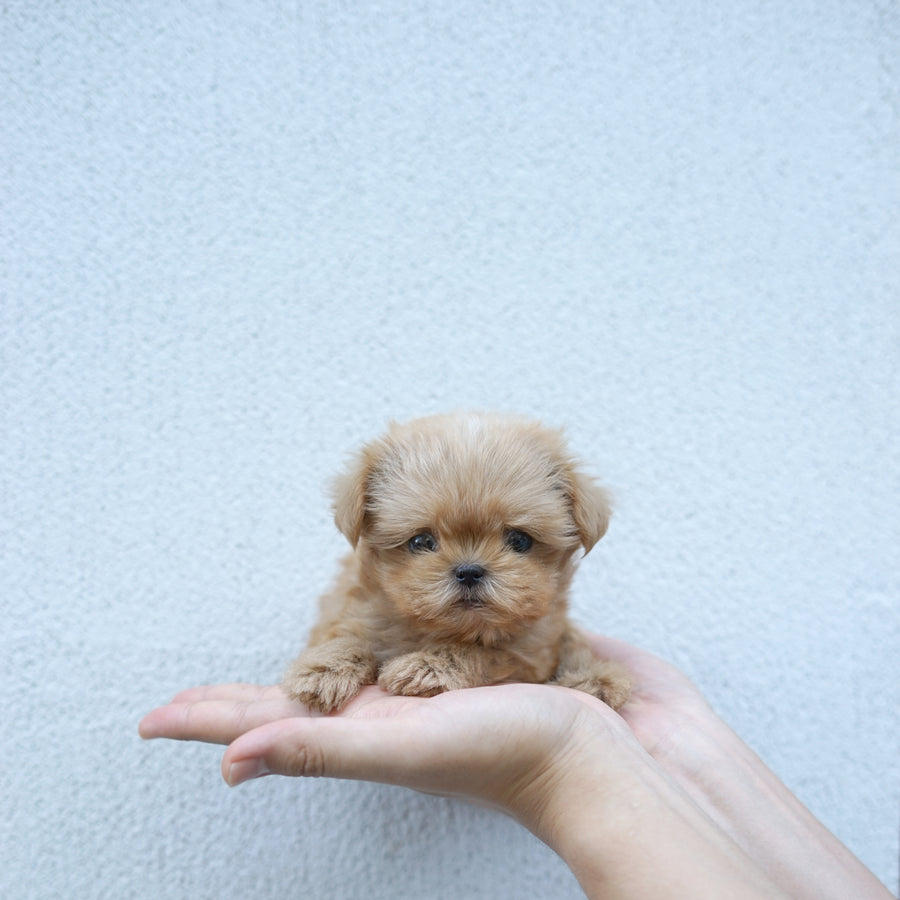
x,y
465,530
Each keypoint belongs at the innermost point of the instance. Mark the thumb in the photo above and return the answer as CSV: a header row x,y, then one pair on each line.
x,y
363,749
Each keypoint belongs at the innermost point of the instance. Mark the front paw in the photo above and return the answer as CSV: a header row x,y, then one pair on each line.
x,y
607,680
425,673
325,681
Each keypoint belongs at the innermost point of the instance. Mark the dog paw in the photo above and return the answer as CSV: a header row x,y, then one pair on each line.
x,y
326,683
423,674
608,681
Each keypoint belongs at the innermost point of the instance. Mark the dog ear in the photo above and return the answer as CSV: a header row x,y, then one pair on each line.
x,y
591,508
351,490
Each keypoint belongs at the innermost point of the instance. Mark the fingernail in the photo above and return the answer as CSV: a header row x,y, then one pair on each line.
x,y
246,770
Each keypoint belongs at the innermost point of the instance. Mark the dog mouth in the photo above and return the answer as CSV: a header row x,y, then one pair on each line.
x,y
470,599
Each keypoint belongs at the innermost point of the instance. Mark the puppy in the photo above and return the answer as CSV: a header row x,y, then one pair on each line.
x,y
465,529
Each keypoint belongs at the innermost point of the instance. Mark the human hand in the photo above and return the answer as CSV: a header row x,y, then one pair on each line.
x,y
562,763
558,760
491,744
663,700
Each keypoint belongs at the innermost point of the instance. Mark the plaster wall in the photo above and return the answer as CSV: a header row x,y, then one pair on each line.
x,y
237,238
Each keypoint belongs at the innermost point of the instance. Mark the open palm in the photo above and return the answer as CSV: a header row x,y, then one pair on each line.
x,y
482,743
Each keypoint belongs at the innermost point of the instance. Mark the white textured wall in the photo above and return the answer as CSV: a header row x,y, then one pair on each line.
x,y
237,238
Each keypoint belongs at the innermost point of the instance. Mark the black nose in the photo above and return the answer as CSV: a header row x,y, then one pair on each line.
x,y
469,574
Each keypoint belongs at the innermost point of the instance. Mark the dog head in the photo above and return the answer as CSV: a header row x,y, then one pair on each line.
x,y
468,523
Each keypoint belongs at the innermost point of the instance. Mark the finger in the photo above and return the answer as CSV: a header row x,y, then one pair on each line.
x,y
215,721
611,648
638,661
362,749
241,693
655,679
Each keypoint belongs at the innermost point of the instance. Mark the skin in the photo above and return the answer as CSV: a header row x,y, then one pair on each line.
x,y
659,800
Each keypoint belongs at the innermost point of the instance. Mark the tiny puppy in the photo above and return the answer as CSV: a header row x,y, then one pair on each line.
x,y
465,529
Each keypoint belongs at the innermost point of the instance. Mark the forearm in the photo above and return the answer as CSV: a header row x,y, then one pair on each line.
x,y
729,782
643,837
663,854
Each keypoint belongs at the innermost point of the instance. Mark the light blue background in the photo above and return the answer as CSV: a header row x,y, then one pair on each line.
x,y
237,238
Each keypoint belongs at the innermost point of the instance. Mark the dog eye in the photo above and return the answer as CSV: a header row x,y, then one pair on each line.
x,y
518,541
421,543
